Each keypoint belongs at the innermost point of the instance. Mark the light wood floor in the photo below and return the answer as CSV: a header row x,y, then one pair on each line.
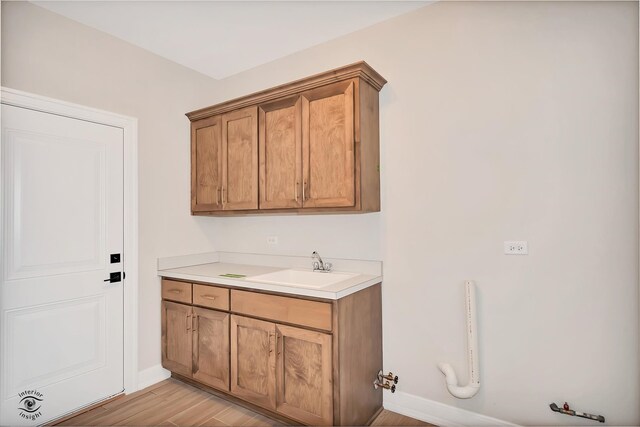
x,y
174,403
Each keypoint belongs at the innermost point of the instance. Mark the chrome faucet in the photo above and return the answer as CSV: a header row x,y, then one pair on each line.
x,y
319,265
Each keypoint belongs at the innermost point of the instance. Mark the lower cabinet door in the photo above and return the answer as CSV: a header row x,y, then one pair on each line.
x,y
304,375
176,337
211,347
253,361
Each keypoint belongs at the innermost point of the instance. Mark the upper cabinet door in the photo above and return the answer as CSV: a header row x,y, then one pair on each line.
x,y
328,146
240,161
281,154
206,164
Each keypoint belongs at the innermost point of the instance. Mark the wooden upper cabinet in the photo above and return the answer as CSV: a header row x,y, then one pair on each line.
x,y
328,146
281,154
206,164
240,159
310,146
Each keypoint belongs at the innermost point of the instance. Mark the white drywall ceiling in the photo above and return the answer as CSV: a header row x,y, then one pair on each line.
x,y
220,39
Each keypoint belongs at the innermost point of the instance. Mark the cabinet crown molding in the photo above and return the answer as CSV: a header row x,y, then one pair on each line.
x,y
359,69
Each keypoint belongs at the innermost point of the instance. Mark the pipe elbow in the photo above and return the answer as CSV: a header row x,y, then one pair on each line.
x,y
449,374
465,392
451,378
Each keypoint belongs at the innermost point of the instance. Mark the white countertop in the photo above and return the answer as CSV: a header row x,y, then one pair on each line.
x,y
208,268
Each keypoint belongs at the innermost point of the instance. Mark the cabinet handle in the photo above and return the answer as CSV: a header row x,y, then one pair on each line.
x,y
197,319
218,196
277,348
209,297
271,335
297,184
304,185
175,291
223,196
188,322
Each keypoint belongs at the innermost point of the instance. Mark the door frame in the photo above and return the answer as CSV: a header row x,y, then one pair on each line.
x,y
129,126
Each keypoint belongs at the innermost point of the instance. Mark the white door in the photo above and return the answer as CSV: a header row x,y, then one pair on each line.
x,y
61,324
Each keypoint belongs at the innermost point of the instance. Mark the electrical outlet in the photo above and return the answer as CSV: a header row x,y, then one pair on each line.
x,y
272,240
516,247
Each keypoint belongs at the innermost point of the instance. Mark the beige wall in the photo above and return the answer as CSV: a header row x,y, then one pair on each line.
x,y
49,55
501,121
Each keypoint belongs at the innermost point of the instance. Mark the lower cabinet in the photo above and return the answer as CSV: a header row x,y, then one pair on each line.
x,y
195,343
282,368
211,347
304,375
177,339
307,360
253,361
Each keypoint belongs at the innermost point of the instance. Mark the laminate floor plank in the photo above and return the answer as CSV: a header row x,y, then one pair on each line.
x,y
388,418
200,413
169,386
260,421
94,416
168,406
83,418
145,402
235,415
172,403
185,404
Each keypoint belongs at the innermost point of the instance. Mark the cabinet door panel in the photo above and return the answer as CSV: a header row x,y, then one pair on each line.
x,y
253,361
304,375
206,164
211,347
328,146
281,154
240,164
176,337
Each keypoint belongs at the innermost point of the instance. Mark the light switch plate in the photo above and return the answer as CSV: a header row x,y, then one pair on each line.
x,y
516,247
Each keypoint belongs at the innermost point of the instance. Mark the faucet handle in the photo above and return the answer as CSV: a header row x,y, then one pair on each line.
x,y
316,266
327,266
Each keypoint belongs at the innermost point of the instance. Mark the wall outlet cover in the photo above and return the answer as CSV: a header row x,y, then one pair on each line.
x,y
516,247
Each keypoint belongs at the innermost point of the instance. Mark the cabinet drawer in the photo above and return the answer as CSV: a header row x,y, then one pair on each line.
x,y
313,314
211,296
176,291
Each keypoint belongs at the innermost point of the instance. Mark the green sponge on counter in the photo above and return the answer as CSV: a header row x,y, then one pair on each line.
x,y
233,276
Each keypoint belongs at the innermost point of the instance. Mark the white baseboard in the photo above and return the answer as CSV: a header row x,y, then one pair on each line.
x,y
407,404
152,375
437,413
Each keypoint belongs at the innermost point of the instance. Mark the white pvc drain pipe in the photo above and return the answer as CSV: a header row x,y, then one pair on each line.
x,y
469,390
